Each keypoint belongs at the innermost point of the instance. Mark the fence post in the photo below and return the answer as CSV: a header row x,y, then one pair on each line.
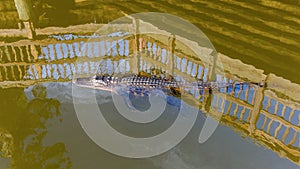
x,y
259,95
25,11
171,50
134,64
212,74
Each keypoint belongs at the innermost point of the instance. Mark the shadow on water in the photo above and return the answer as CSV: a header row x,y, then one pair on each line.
x,y
53,13
26,124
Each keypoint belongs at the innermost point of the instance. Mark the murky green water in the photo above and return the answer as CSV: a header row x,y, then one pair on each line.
x,y
39,127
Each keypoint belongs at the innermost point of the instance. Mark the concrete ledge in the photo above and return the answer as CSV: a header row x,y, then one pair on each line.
x,y
86,28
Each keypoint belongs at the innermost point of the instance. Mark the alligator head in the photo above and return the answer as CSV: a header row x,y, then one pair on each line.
x,y
99,82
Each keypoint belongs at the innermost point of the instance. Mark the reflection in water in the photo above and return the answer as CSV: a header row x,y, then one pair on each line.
x,y
27,124
53,12
268,115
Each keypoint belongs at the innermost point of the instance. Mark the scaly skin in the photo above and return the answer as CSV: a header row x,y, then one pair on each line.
x,y
143,83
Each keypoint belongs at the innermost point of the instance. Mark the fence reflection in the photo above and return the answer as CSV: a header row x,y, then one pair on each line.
x,y
269,117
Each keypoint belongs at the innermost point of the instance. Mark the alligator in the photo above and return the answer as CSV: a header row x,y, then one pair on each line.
x,y
143,83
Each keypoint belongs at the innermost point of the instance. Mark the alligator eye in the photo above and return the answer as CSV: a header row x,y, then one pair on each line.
x,y
98,78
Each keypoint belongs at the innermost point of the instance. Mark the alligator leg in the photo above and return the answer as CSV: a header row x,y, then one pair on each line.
x,y
125,92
